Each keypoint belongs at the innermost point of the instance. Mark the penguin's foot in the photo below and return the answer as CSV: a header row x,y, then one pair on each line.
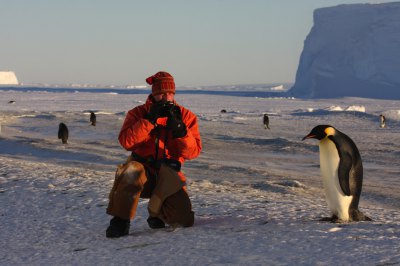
x,y
339,221
325,219
332,219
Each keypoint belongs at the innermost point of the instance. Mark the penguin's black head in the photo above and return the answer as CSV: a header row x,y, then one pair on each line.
x,y
319,132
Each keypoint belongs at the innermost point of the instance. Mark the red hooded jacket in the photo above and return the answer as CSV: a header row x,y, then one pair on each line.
x,y
138,135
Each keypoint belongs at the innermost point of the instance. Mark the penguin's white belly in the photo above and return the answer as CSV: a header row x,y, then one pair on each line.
x,y
337,201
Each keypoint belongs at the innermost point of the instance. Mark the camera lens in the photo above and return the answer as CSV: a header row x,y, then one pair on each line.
x,y
166,108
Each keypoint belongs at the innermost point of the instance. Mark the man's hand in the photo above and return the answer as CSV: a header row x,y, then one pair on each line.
x,y
155,111
175,123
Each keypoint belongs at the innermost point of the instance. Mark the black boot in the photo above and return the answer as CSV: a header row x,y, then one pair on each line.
x,y
118,227
155,223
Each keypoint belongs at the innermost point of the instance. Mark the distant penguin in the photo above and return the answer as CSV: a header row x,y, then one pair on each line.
x,y
342,173
223,111
382,120
63,133
11,102
266,121
93,119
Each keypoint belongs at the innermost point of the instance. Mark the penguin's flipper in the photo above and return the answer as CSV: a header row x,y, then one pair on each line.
x,y
344,173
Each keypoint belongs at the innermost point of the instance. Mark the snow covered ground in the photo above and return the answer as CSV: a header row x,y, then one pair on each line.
x,y
257,193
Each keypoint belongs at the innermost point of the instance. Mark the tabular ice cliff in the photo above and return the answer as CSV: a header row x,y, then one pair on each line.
x,y
352,50
8,78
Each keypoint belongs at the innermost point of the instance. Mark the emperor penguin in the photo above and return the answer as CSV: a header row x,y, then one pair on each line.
x,y
266,121
92,119
382,120
63,133
342,173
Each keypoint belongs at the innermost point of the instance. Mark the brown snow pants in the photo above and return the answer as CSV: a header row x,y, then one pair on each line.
x,y
169,200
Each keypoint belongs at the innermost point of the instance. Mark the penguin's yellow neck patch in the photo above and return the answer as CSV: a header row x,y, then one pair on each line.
x,y
329,131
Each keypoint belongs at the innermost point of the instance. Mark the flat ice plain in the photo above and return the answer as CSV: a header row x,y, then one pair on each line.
x,y
257,193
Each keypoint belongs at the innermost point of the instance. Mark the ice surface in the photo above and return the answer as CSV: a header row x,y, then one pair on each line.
x,y
257,194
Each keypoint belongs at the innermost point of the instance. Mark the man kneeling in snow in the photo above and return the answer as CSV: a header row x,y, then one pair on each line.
x,y
161,135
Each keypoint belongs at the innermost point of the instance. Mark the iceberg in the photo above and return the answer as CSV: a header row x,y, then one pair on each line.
x,y
8,78
351,50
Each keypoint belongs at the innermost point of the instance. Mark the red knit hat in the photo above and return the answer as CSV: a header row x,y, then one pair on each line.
x,y
161,82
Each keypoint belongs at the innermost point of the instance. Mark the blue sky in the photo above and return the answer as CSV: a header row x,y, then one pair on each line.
x,y
207,42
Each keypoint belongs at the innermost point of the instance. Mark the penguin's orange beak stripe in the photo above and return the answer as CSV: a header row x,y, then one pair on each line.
x,y
309,136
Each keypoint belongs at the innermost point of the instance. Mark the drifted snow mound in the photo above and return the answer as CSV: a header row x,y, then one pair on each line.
x,y
352,108
8,78
392,114
356,108
352,50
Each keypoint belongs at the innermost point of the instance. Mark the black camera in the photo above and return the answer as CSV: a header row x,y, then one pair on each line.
x,y
166,109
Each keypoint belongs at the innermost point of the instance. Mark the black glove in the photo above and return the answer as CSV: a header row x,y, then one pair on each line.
x,y
175,123
155,111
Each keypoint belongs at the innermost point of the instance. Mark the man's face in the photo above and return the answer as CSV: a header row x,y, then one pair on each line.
x,y
168,96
